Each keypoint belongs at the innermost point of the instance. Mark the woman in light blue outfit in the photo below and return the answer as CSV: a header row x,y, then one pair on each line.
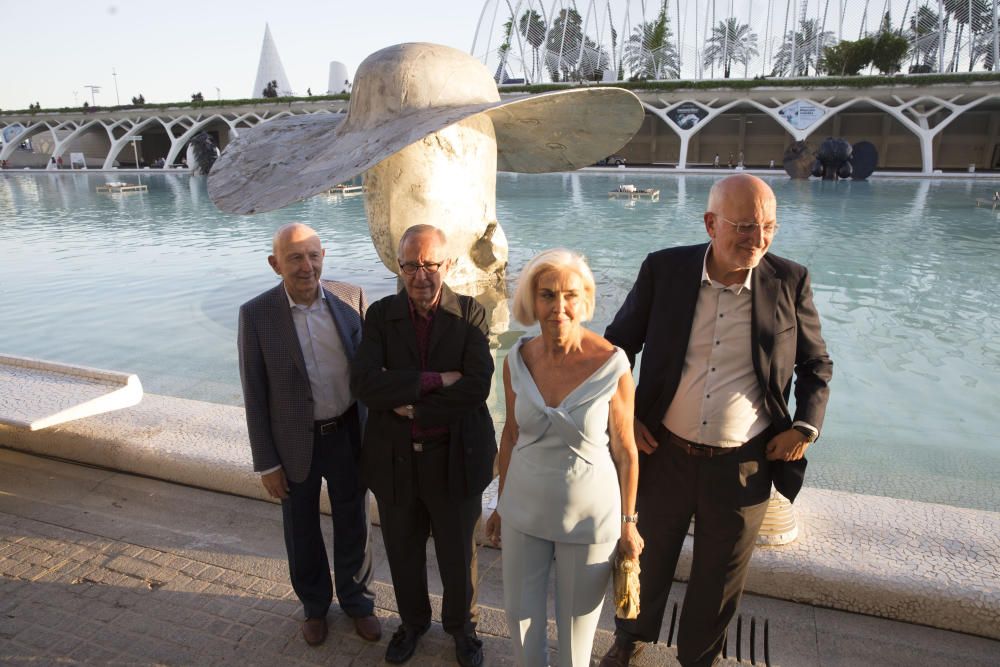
x,y
568,463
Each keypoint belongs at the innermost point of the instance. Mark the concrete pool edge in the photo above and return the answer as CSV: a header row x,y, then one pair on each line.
x,y
910,561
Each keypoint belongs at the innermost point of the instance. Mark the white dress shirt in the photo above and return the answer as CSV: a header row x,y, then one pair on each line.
x,y
719,400
326,360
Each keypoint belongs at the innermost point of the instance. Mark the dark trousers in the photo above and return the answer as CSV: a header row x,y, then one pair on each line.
x,y
728,497
406,527
335,458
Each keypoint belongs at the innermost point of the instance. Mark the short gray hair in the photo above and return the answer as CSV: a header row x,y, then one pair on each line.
x,y
554,259
417,230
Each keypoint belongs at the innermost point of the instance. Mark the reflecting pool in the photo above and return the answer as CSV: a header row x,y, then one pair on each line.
x,y
905,274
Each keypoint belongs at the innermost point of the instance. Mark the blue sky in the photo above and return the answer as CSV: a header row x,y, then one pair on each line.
x,y
168,49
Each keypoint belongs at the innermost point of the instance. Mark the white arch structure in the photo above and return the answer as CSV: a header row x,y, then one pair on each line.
x,y
918,110
919,115
120,128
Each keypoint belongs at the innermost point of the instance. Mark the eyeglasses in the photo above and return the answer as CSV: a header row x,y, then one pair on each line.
x,y
411,268
748,228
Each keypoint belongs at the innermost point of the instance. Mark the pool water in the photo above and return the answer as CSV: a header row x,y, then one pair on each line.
x,y
905,274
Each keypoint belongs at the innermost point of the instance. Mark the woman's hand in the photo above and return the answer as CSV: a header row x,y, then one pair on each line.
x,y
493,528
630,544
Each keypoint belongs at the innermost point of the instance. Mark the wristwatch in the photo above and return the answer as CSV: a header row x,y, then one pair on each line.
x,y
807,433
630,518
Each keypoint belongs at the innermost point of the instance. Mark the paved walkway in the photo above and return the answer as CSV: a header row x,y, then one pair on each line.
x,y
100,567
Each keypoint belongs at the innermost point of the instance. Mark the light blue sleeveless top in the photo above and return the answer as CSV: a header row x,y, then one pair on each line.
x,y
561,482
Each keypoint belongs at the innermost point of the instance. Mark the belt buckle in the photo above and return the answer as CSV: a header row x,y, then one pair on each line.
x,y
418,446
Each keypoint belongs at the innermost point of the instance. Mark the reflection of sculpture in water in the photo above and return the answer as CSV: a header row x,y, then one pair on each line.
x,y
427,128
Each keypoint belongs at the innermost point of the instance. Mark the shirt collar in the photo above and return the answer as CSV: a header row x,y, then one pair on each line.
x,y
314,305
430,311
706,280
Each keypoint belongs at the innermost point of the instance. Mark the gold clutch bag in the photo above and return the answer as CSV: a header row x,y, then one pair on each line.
x,y
626,584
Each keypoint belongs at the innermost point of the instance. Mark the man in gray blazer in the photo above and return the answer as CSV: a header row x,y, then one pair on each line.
x,y
722,327
297,341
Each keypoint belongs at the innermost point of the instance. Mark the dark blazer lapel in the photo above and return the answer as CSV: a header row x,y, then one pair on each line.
x,y
341,314
449,309
286,328
684,295
398,313
764,299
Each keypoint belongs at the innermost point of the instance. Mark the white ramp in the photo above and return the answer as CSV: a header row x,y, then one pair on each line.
x,y
36,394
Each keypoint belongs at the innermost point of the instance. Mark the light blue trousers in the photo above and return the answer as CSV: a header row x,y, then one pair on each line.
x,y
581,577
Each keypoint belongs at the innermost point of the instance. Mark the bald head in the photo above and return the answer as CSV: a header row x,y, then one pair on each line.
x,y
739,189
741,221
297,256
291,232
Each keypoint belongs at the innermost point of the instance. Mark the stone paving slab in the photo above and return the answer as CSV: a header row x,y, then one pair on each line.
x,y
99,567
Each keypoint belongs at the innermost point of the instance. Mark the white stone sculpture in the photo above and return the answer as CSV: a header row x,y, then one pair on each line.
x,y
428,129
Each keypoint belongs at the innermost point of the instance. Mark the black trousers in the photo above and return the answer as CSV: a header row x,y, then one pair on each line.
x,y
335,458
728,497
406,528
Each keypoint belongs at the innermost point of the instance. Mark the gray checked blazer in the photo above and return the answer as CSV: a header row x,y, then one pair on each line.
x,y
276,390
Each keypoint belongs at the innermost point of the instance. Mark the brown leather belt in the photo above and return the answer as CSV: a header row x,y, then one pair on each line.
x,y
696,448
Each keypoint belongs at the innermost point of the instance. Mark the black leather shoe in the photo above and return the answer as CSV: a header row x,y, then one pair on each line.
x,y
403,643
621,652
469,650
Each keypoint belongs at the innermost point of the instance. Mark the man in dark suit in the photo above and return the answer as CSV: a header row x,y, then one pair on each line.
x,y
296,344
424,370
721,327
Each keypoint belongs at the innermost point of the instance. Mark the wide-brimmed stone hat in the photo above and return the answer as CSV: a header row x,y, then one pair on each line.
x,y
402,94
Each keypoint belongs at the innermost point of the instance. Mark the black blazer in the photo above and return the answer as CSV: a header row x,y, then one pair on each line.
x,y
657,315
386,374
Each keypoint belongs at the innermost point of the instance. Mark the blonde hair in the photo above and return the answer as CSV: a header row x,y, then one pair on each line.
x,y
555,259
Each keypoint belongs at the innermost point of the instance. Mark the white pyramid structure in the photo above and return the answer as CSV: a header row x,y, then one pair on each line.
x,y
270,68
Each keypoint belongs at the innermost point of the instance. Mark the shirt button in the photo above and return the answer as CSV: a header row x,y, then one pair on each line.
x,y
713,370
708,396
704,423
721,315
717,342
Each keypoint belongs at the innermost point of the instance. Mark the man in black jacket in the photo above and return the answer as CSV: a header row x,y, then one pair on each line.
x,y
721,327
424,370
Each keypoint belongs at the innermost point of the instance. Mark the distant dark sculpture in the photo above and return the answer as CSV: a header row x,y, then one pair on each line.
x,y
833,160
798,160
864,159
201,154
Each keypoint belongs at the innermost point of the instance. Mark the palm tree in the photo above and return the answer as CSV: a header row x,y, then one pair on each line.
x,y
503,51
649,53
806,44
923,36
562,45
983,48
532,28
731,42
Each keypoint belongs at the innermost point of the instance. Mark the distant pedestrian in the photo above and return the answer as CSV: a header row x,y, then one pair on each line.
x,y
715,162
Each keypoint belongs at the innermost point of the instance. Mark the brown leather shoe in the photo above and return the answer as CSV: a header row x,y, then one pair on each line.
x,y
621,652
314,631
368,628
